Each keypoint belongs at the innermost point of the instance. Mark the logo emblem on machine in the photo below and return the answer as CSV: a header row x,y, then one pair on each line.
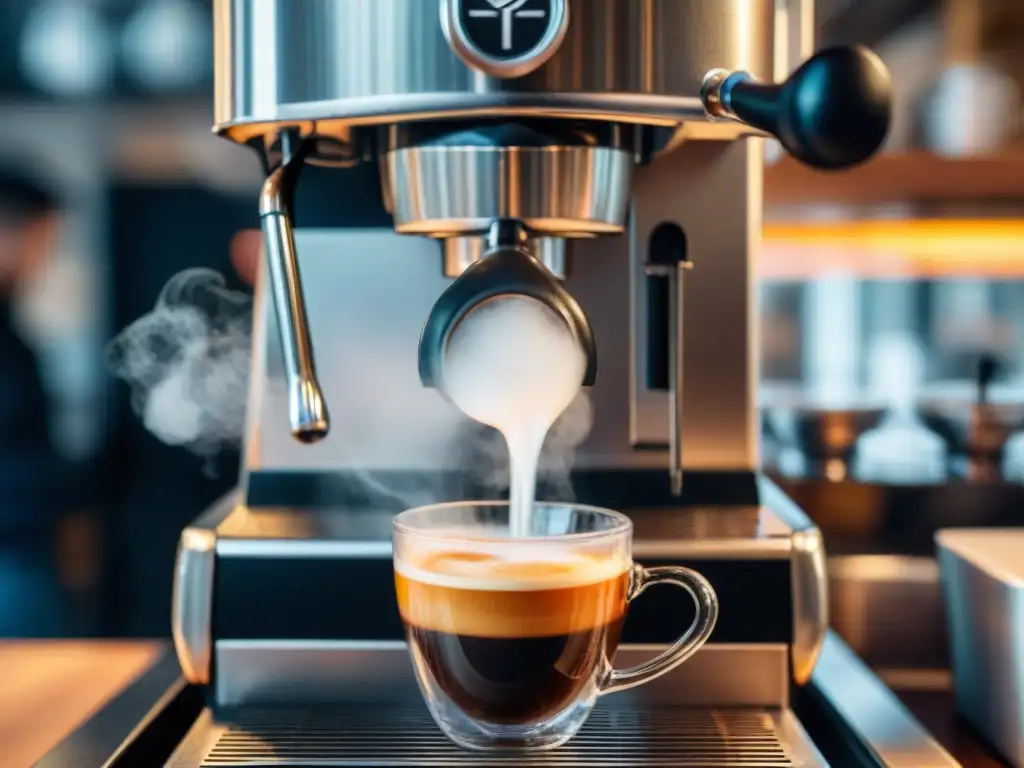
x,y
504,38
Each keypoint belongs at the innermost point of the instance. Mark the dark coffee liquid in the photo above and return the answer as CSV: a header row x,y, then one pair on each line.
x,y
512,641
514,680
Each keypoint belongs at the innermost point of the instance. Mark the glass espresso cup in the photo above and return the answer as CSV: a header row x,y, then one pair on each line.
x,y
512,638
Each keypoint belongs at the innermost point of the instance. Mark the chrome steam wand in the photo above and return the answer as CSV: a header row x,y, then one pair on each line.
x,y
307,410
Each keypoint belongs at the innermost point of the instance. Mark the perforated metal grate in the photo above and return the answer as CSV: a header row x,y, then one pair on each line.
x,y
361,736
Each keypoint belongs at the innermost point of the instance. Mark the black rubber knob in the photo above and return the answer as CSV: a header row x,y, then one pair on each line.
x,y
834,112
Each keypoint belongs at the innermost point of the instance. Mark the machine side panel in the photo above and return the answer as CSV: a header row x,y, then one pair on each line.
x,y
713,192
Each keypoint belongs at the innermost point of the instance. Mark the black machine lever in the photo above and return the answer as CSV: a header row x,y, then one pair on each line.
x,y
832,113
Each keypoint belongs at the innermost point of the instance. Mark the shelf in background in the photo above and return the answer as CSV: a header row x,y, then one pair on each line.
x,y
911,216
917,249
912,178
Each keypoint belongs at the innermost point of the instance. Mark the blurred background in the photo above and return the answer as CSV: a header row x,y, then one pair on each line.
x,y
892,297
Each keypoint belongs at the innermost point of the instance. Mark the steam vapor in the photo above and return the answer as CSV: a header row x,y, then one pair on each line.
x,y
187,363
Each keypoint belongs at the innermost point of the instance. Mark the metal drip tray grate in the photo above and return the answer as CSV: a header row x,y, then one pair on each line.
x,y
406,736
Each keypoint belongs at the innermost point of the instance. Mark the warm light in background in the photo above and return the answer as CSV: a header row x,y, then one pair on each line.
x,y
937,248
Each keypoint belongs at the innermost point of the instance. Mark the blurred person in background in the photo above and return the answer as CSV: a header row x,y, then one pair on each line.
x,y
37,486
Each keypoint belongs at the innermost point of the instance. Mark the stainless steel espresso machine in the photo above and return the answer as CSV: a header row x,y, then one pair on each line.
x,y
586,154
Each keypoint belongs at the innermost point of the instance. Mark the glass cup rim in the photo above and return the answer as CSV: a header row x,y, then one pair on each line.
x,y
622,524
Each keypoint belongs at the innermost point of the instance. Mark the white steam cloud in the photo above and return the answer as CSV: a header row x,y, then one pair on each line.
x,y
187,364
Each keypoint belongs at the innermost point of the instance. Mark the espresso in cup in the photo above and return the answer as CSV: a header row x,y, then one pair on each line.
x,y
512,636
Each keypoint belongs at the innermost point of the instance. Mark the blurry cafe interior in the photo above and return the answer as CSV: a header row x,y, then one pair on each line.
x,y
890,314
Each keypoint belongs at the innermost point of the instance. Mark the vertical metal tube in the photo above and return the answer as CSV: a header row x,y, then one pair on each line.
x,y
307,411
676,380
794,35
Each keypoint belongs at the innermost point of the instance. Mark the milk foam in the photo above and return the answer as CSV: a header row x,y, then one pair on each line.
x,y
514,365
499,567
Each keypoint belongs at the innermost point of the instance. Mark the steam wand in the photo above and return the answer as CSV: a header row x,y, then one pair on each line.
x,y
307,411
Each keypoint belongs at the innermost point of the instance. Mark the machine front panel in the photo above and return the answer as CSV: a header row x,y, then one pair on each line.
x,y
317,59
353,598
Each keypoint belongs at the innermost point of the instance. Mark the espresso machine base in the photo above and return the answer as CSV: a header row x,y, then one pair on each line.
x,y
846,716
316,673
407,736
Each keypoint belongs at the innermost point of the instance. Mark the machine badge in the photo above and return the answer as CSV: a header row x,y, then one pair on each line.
x,y
505,38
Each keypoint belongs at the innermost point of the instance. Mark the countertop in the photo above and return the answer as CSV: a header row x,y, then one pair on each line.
x,y
48,688
936,712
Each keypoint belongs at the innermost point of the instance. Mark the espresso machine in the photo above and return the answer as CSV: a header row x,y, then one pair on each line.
x,y
605,158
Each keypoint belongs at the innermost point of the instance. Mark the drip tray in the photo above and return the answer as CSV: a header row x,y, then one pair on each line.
x,y
407,736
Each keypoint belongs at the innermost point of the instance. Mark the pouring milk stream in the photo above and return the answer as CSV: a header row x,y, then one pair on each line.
x,y
514,365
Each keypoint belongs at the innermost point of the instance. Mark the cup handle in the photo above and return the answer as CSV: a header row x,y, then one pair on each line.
x,y
689,643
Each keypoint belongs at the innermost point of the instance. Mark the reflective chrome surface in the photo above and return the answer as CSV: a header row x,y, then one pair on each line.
x,y
460,252
192,598
555,253
560,190
405,735
810,601
983,583
280,672
872,711
343,62
307,411
809,584
715,533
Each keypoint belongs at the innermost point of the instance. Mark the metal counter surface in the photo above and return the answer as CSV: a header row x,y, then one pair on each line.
x,y
934,707
48,688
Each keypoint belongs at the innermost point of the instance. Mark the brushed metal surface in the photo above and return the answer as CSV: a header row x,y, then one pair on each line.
x,y
342,62
274,672
384,419
192,595
557,190
794,35
983,584
406,736
889,610
713,191
873,713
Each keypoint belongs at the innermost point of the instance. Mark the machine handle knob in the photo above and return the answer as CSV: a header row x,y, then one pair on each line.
x,y
832,113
